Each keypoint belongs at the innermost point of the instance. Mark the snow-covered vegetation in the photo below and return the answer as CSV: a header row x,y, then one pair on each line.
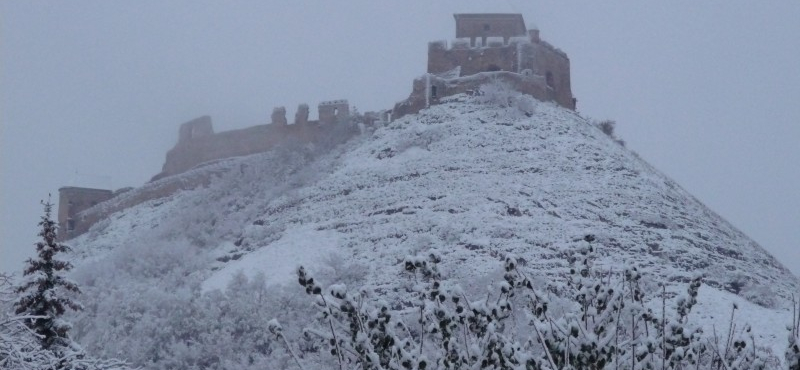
x,y
591,320
193,280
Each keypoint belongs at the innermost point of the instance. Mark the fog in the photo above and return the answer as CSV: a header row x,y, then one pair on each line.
x,y
92,92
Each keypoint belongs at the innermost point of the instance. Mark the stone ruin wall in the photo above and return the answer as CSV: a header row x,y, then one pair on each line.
x,y
197,142
81,219
74,200
421,97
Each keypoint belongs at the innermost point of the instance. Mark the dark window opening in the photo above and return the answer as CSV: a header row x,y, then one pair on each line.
x,y
493,68
433,91
486,27
70,225
550,82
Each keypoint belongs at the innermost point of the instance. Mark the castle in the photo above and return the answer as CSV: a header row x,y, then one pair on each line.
x,y
488,47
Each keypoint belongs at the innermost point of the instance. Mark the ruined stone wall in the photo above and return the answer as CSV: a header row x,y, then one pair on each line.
x,y
421,96
471,60
85,219
72,201
195,129
545,60
189,153
196,155
333,111
197,142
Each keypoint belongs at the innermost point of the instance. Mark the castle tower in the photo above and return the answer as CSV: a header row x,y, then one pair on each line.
x,y
279,116
505,46
333,111
73,200
301,117
195,128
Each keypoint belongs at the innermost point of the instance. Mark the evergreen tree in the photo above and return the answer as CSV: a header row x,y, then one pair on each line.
x,y
44,293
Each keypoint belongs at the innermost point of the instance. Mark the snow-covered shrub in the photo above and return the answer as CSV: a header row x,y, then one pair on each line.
x,y
607,126
761,295
605,322
144,303
339,271
501,94
497,93
441,330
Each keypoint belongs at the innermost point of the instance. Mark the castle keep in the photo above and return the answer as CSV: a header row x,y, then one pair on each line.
x,y
491,47
487,48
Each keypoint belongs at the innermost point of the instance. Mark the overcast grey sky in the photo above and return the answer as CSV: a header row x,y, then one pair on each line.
x,y
92,92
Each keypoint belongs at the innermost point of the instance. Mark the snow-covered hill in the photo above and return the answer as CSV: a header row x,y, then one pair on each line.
x,y
474,179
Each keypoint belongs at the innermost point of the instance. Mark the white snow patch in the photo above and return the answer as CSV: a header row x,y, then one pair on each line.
x,y
768,326
279,260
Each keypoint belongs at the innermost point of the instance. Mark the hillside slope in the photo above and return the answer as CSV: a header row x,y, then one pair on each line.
x,y
470,179
473,179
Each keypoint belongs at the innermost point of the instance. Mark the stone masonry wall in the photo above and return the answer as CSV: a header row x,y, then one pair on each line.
x,y
482,26
421,96
197,142
72,201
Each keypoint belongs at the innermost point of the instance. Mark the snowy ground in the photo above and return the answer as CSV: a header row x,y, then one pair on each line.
x,y
768,326
279,261
472,181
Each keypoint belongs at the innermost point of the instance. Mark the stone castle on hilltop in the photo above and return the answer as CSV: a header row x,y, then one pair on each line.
x,y
488,47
